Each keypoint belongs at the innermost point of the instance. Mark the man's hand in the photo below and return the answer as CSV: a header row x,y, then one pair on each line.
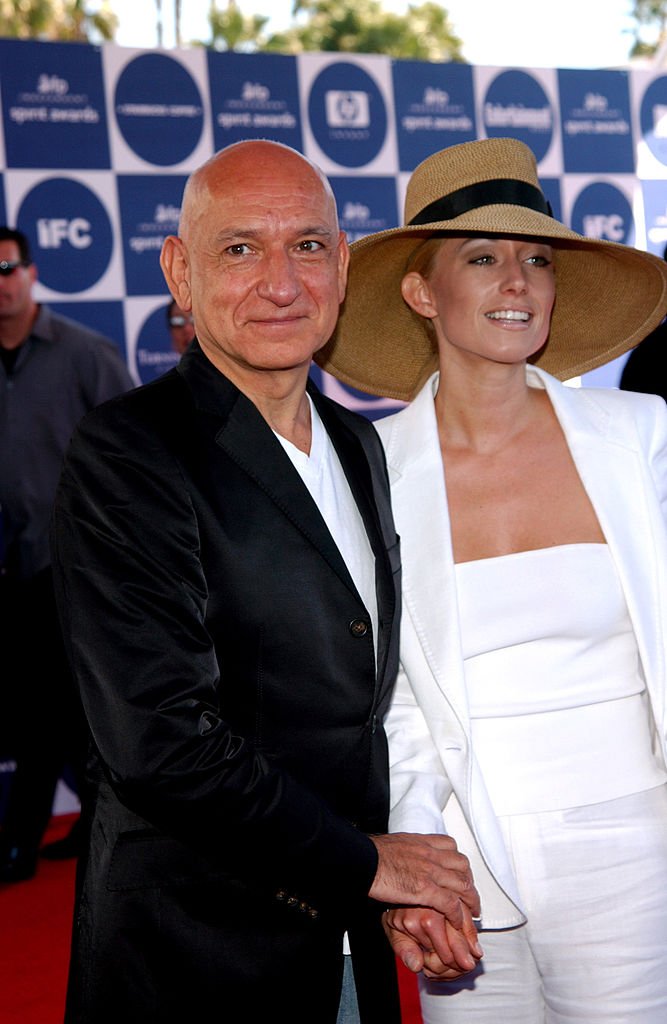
x,y
424,871
426,942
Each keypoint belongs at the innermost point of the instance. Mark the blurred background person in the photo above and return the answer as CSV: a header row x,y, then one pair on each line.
x,y
181,327
52,371
645,368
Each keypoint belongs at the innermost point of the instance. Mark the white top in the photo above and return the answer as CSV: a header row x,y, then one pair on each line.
x,y
556,693
324,477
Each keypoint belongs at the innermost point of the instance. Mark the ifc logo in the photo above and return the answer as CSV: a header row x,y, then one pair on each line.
x,y
601,211
69,232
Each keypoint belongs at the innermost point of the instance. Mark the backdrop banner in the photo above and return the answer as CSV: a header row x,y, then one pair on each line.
x,y
96,144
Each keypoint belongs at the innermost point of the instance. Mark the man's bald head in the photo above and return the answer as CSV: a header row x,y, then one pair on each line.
x,y
239,162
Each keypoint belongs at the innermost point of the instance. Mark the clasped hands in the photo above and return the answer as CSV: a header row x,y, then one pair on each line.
x,y
434,901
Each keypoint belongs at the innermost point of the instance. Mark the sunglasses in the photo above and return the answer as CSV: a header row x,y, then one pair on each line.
x,y
179,321
8,267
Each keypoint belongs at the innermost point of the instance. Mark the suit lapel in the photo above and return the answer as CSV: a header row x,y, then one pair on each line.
x,y
250,442
354,460
244,435
422,521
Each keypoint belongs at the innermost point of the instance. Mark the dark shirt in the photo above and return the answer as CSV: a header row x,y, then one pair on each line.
x,y
645,370
61,371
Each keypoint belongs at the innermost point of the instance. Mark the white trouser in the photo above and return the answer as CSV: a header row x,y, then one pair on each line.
x,y
594,951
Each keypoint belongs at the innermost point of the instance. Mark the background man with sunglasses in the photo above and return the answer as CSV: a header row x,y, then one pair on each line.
x,y
52,371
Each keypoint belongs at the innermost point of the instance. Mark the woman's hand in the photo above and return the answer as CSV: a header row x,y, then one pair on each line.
x,y
425,941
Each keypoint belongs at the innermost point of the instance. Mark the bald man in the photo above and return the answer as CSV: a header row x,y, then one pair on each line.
x,y
227,572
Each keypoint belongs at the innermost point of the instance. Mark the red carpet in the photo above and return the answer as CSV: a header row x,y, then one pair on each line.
x,y
35,921
34,940
410,1012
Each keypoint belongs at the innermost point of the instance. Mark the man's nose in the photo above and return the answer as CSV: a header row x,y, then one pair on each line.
x,y
278,280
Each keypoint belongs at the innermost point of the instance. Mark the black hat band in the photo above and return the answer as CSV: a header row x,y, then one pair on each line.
x,y
483,193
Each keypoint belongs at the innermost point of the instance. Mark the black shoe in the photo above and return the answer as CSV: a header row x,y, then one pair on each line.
x,y
63,849
17,864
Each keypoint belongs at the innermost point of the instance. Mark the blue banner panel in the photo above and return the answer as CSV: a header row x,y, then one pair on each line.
x,y
435,108
365,205
551,189
159,109
69,231
154,355
96,143
653,118
655,214
53,105
347,114
105,317
150,206
516,106
602,211
595,121
254,96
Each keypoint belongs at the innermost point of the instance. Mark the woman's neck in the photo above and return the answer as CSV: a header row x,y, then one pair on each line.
x,y
486,409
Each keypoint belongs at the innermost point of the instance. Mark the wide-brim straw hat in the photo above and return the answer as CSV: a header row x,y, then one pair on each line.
x,y
608,296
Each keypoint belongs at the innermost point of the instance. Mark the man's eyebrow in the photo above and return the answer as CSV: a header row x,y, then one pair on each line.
x,y
319,229
233,234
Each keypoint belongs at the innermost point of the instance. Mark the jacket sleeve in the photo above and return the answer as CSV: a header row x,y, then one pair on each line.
x,y
653,429
418,783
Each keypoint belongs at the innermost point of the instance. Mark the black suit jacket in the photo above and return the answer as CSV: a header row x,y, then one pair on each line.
x,y
226,666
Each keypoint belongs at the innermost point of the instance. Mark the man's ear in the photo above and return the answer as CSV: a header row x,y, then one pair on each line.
x,y
343,257
176,269
417,293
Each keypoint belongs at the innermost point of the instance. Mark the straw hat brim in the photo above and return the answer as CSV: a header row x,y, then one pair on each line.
x,y
608,297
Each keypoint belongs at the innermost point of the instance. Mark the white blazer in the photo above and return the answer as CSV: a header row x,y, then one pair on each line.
x,y
619,444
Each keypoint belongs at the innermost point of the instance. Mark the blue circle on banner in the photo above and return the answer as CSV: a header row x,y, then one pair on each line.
x,y
154,354
653,118
159,109
69,232
602,211
516,106
347,114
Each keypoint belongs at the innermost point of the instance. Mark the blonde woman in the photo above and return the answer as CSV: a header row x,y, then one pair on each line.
x,y
529,715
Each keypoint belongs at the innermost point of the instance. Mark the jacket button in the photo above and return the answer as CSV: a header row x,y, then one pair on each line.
x,y
358,627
